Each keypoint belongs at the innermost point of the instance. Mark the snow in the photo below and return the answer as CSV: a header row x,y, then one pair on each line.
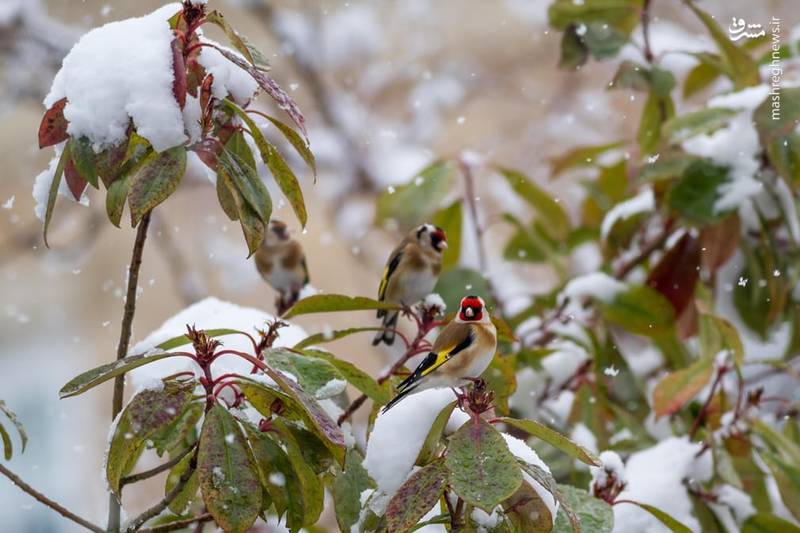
x,y
122,71
735,146
331,388
277,479
524,452
655,476
597,285
207,314
584,436
397,438
9,204
228,78
612,468
739,501
643,202
432,301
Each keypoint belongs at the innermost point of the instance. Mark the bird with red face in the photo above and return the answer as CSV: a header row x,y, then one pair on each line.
x,y
460,354
410,274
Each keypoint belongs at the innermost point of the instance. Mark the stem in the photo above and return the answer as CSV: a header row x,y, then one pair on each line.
x,y
701,416
179,524
134,478
155,510
124,342
648,51
47,501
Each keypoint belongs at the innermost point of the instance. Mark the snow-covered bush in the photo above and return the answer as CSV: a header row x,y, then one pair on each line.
x,y
670,362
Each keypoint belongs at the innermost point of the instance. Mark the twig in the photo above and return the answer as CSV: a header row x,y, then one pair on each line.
x,y
135,478
124,342
645,17
155,510
47,501
179,524
469,192
703,413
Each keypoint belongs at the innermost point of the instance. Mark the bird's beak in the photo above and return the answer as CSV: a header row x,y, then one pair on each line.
x,y
469,313
443,245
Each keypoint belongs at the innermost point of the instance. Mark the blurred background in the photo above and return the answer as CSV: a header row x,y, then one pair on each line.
x,y
386,89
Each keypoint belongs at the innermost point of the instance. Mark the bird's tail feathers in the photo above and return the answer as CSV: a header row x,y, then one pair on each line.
x,y
400,395
387,335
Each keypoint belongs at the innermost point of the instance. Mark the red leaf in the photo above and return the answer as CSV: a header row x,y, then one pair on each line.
x,y
719,241
676,273
208,150
53,128
179,83
74,180
195,74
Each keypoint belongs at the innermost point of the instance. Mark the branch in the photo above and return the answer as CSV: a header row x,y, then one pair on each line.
x,y
135,478
179,524
645,16
48,502
158,508
124,342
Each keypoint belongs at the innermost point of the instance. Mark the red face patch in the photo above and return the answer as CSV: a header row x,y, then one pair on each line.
x,y
471,309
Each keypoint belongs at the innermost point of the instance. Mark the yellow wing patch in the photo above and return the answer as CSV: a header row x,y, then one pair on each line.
x,y
441,357
384,284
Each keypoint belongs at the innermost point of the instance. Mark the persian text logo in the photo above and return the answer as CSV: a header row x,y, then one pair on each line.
x,y
739,29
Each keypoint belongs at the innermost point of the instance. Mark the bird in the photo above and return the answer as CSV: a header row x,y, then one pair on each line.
x,y
410,274
282,264
460,354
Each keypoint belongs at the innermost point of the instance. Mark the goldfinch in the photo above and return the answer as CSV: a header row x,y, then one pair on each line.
x,y
281,262
461,352
410,274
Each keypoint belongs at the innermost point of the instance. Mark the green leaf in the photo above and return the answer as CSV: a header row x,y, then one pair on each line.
x,y
415,202
267,399
83,157
717,334
115,198
787,477
179,433
450,220
574,52
96,376
482,469
236,40
280,170
313,416
695,194
779,442
347,489
433,440
273,462
8,446
622,14
742,69
310,484
678,129
322,338
239,165
631,75
553,438
415,497
776,128
156,181
604,40
12,416
656,111
297,142
679,387
329,303
181,340
673,525
355,376
53,191
315,375
703,74
228,477
581,156
148,412
640,310
188,494
767,523
526,511
548,210
666,167
594,514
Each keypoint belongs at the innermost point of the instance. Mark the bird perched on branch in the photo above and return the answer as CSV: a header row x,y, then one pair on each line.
x,y
410,274
461,352
282,263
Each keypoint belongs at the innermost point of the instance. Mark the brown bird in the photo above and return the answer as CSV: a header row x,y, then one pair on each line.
x,y
461,352
282,263
410,274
